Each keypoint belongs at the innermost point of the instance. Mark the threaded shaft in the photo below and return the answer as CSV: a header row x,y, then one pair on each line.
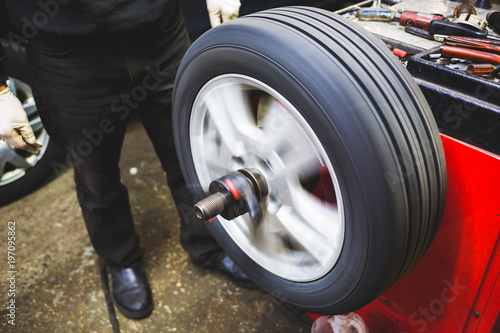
x,y
210,207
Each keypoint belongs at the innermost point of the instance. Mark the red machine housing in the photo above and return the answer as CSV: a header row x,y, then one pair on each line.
x,y
455,287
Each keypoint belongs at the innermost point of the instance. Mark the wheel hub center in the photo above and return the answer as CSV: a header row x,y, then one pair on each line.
x,y
233,195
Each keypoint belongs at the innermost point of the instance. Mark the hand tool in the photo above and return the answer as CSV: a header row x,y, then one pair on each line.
x,y
464,8
466,14
354,7
482,69
460,39
419,32
419,20
472,21
442,27
405,18
475,45
377,14
472,55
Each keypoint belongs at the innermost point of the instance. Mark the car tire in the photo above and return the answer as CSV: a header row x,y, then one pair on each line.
x,y
17,179
347,99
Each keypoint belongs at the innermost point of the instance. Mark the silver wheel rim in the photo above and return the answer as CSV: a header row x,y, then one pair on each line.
x,y
13,162
301,236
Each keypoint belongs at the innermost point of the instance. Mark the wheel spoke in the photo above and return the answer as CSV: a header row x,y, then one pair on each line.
x,y
36,124
286,138
312,241
297,163
9,155
17,160
278,128
217,168
30,107
214,153
230,111
257,234
265,236
4,152
12,86
317,214
237,108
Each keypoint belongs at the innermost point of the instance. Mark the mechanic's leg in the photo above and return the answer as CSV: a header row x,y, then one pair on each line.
x,y
166,50
155,111
195,237
77,83
105,204
81,81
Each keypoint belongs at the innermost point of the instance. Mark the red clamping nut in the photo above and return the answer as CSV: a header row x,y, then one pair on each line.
x,y
232,188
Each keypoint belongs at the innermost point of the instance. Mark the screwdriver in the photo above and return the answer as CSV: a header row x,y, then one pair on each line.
x,y
377,14
405,18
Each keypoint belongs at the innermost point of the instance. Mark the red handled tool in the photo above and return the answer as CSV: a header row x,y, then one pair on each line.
x,y
474,45
418,20
447,28
472,55
470,40
405,18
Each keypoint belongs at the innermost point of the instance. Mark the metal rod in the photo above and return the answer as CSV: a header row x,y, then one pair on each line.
x,y
350,8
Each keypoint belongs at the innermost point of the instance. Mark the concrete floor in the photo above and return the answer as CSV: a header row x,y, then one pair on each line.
x,y
58,285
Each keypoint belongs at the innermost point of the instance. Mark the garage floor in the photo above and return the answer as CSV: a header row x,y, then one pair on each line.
x,y
58,286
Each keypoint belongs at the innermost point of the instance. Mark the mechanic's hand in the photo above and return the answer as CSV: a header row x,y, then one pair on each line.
x,y
15,129
221,11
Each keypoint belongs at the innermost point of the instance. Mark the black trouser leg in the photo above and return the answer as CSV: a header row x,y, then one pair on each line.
x,y
87,87
156,116
76,82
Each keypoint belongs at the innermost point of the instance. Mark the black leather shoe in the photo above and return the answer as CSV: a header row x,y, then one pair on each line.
x,y
131,292
233,272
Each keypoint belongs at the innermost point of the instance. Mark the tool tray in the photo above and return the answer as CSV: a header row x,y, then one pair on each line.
x,y
465,107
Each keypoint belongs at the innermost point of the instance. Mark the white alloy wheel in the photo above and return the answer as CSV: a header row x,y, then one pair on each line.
x,y
239,122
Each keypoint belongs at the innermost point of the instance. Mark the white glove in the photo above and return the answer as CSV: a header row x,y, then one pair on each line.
x,y
15,129
221,11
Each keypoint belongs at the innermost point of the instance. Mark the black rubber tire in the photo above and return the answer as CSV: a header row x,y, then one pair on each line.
x,y
372,121
16,68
